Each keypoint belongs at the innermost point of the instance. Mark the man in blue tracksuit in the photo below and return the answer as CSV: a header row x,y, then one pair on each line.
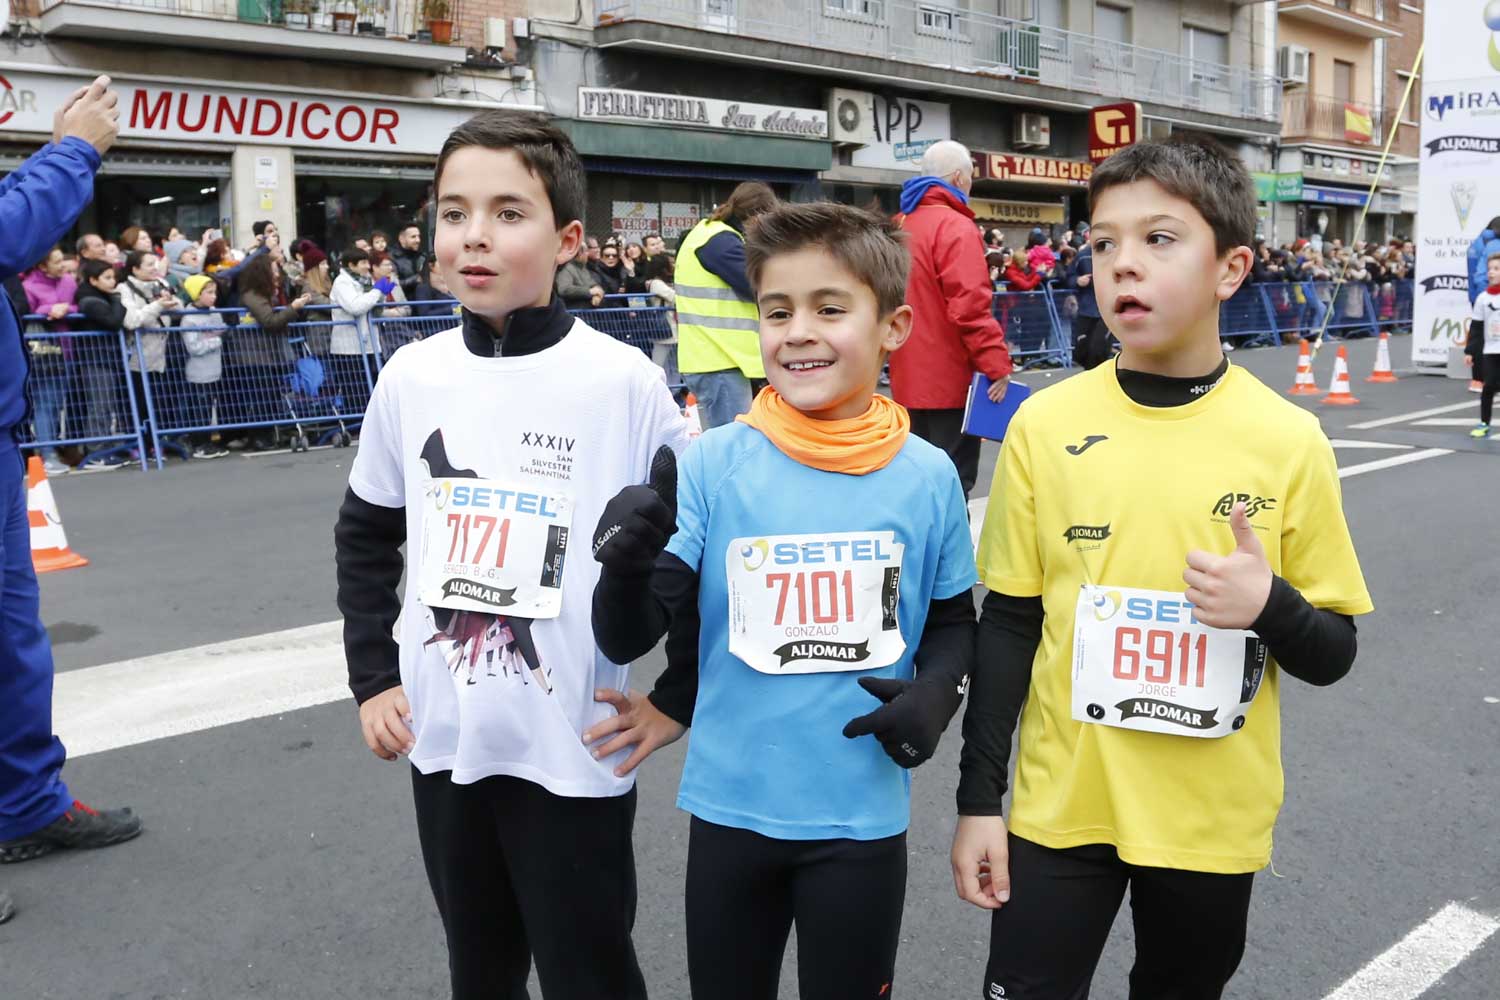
x,y
39,201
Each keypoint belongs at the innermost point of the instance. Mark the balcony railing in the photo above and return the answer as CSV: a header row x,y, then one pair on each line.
x,y
1359,17
932,34
1309,116
370,18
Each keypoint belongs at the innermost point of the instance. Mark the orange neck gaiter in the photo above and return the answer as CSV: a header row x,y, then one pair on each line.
x,y
855,447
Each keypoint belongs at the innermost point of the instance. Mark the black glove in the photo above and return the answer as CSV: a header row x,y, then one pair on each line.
x,y
911,721
637,523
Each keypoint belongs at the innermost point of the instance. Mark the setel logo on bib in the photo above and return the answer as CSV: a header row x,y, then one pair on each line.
x,y
1143,661
803,604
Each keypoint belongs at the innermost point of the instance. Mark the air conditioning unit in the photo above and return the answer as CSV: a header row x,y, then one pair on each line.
x,y
1032,129
1294,64
851,116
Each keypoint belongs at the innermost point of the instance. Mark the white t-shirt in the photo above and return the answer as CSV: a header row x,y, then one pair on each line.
x,y
558,432
1487,311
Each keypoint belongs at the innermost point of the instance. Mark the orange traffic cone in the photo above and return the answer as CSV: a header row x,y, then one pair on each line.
x,y
49,545
690,413
1338,392
1383,372
1305,385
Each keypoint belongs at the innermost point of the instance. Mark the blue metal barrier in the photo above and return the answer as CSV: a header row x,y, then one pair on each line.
x,y
80,395
1034,331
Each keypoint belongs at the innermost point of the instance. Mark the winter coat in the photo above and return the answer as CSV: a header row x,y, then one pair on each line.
x,y
411,265
1017,280
43,292
265,343
143,312
351,316
954,330
572,284
1486,243
204,342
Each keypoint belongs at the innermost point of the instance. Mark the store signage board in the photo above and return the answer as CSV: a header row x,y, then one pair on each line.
x,y
682,111
1048,171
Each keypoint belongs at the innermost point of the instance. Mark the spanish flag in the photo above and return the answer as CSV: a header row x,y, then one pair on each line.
x,y
1357,124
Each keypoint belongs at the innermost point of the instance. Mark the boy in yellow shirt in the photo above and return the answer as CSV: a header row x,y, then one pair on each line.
x,y
1166,539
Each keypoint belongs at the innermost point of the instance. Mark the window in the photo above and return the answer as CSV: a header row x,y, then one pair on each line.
x,y
1111,23
935,20
864,10
1052,13
1202,45
1343,81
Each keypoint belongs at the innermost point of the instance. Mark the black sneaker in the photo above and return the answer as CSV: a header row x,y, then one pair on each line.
x,y
79,827
7,908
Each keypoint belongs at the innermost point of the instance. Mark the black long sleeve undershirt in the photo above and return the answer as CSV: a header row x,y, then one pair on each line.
x,y
631,613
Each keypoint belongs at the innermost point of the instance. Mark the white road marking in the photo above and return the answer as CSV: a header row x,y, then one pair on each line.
x,y
1402,418
1394,460
1446,422
977,507
134,701
1415,963
1347,443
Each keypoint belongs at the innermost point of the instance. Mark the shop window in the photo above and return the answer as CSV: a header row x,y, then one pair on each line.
x,y
157,203
334,211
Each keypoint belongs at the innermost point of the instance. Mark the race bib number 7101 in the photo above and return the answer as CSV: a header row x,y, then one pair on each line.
x,y
805,604
495,547
1142,661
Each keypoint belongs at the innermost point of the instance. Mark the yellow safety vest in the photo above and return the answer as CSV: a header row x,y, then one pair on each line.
x,y
716,329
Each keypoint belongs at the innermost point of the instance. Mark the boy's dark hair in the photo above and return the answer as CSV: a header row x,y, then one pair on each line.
x,y
91,269
544,148
379,234
870,246
352,256
746,201
1487,261
1197,170
409,225
133,259
258,227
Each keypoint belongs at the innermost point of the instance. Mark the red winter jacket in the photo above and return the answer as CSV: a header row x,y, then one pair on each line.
x,y
954,331
1017,280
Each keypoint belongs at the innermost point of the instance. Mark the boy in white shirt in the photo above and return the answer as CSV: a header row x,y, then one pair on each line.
x,y
482,447
1483,349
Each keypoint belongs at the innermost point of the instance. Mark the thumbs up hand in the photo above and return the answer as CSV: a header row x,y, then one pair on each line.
x,y
638,522
1230,591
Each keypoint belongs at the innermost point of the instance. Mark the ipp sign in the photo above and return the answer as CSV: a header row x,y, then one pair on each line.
x,y
904,129
1112,127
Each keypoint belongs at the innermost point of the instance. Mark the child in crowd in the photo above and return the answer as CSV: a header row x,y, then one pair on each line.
x,y
481,447
50,292
817,592
1483,349
1165,538
203,339
147,300
352,344
96,373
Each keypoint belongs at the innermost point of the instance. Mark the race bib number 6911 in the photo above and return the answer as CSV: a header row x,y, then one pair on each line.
x,y
1141,660
802,604
492,546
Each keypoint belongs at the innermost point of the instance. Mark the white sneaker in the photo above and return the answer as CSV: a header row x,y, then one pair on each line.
x,y
1226,345
54,467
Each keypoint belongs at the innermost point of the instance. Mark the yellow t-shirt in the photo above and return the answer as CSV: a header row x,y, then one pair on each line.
x,y
1162,481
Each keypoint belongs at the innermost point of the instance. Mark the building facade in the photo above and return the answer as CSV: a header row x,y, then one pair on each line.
x,y
1339,62
325,115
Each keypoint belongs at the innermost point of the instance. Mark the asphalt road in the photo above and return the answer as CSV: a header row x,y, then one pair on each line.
x,y
280,858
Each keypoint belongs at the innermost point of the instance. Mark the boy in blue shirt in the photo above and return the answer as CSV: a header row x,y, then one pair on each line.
x,y
816,543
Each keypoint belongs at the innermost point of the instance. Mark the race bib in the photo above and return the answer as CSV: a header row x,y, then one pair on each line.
x,y
1492,333
812,604
490,546
1142,661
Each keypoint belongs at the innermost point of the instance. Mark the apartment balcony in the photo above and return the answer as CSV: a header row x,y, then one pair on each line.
x,y
394,33
1312,118
987,45
1352,17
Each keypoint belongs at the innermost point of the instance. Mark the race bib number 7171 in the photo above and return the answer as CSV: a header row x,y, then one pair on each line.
x,y
1142,661
493,547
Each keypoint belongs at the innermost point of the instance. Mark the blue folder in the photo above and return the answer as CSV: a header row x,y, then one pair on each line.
x,y
985,419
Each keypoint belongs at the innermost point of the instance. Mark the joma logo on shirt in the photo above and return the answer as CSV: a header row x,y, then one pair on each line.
x,y
1253,504
554,441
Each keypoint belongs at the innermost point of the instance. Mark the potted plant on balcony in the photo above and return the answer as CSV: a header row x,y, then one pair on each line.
x,y
369,11
438,15
344,16
298,13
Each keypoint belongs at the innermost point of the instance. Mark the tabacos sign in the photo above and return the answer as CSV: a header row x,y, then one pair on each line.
x,y
188,112
1112,127
1046,170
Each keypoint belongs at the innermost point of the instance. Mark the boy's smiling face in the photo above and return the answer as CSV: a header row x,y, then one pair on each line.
x,y
822,338
496,242
1160,279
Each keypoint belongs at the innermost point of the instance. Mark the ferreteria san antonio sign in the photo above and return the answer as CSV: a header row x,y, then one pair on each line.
x,y
676,110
